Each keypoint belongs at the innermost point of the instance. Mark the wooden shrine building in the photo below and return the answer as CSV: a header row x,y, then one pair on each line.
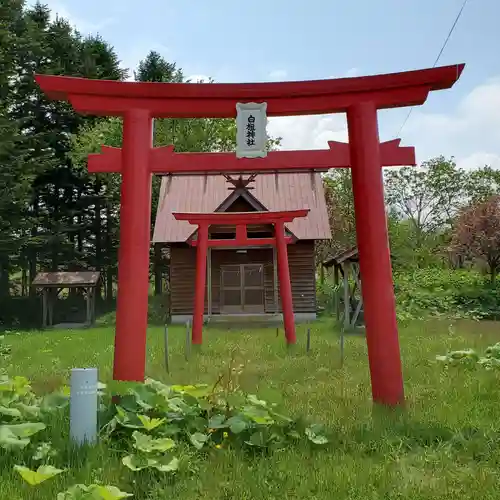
x,y
242,281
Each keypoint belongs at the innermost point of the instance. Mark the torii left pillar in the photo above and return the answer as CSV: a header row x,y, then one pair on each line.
x,y
133,252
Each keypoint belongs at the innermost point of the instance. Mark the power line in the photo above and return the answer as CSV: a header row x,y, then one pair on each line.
x,y
437,58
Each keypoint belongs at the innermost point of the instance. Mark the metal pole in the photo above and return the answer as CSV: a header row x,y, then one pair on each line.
x,y
83,405
342,348
187,346
308,343
167,365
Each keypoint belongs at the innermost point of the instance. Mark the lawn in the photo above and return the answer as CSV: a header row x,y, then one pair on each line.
x,y
444,445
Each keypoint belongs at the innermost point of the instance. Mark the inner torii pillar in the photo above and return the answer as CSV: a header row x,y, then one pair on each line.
x,y
241,220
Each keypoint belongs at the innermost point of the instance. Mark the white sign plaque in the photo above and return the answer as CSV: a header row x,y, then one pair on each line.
x,y
251,135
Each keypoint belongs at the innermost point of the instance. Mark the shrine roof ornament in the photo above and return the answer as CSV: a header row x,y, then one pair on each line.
x,y
218,100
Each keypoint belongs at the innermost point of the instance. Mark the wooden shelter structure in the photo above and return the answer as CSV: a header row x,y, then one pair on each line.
x,y
52,283
346,265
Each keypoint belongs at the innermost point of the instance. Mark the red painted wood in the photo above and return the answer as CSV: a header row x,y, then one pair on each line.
x,y
133,252
285,283
374,256
249,242
224,108
199,291
193,100
241,220
359,97
235,218
164,160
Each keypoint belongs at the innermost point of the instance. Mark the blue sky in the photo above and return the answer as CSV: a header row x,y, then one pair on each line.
x,y
261,40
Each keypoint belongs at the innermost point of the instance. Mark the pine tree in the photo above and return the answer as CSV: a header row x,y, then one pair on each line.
x,y
155,68
59,205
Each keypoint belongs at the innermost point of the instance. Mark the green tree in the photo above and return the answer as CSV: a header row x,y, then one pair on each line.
x,y
155,68
428,196
337,185
476,234
57,197
482,184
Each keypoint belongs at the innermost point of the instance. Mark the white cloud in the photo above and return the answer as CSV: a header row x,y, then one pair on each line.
x,y
479,160
352,72
278,75
308,132
470,132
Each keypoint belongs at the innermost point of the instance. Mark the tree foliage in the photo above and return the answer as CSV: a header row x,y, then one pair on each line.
x,y
428,196
477,234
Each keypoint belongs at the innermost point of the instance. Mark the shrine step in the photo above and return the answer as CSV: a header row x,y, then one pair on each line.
x,y
252,320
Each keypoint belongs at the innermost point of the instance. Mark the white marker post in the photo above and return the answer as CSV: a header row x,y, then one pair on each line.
x,y
83,406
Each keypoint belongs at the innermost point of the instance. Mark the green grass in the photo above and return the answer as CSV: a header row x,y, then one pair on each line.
x,y
445,445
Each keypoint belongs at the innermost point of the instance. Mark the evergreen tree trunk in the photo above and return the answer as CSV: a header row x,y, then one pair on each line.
x,y
24,280
4,278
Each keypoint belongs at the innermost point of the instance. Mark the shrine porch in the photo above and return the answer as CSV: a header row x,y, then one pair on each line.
x,y
243,284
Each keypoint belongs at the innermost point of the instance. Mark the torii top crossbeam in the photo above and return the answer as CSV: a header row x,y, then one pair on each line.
x,y
218,100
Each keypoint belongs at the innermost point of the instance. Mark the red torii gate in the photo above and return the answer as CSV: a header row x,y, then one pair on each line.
x,y
163,160
241,221
360,98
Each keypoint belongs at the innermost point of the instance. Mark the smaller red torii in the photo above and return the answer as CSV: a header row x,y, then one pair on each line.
x,y
164,160
241,220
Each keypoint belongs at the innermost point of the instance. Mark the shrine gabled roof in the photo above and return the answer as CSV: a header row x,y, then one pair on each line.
x,y
292,191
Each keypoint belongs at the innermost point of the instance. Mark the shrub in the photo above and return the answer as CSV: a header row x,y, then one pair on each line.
x,y
435,292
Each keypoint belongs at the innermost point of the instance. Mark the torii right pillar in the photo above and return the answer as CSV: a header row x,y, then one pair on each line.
x,y
374,255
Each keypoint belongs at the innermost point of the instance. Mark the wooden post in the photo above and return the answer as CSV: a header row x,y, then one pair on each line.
x,y
275,281
94,294
347,296
167,364
51,306
357,285
187,345
374,254
209,283
285,284
88,291
199,292
44,307
337,290
133,252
